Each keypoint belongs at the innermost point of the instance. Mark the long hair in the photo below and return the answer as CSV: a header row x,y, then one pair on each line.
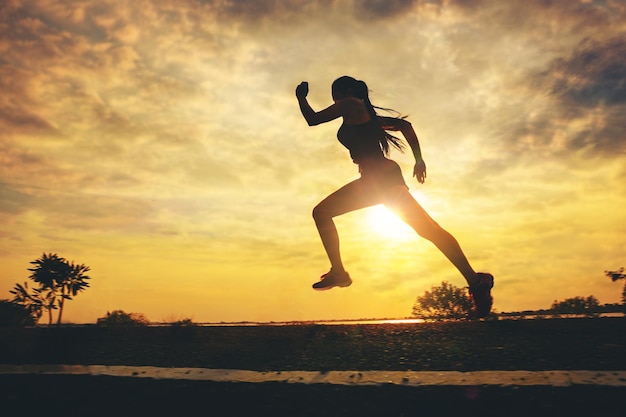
x,y
358,89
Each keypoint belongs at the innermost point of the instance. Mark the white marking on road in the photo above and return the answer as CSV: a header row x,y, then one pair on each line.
x,y
408,378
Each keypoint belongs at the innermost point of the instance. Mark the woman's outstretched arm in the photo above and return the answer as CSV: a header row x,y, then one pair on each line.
x,y
404,126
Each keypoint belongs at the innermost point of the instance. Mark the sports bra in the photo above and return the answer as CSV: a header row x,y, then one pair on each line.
x,y
362,140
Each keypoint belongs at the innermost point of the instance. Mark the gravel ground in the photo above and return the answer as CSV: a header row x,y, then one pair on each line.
x,y
565,344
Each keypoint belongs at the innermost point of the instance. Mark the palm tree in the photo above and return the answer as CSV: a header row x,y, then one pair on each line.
x,y
58,280
47,297
49,272
72,284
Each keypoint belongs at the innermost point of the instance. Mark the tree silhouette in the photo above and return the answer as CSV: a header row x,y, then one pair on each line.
x,y
57,279
71,284
443,302
615,276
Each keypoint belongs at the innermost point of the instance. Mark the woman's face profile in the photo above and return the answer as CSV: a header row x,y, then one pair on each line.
x,y
339,95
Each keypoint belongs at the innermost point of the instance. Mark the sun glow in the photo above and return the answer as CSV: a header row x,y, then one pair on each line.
x,y
385,223
388,225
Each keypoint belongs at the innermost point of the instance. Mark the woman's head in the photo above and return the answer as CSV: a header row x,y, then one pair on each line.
x,y
347,86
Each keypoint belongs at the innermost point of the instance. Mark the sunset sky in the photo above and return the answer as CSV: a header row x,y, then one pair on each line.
x,y
161,144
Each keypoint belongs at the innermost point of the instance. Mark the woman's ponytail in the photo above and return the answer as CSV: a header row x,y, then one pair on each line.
x,y
362,92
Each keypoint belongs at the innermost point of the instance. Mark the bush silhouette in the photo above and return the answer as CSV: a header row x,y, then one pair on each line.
x,y
15,315
121,318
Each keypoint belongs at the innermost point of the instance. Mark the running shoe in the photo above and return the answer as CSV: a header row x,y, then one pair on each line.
x,y
333,279
480,293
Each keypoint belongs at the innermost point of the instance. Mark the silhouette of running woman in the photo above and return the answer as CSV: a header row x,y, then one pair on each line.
x,y
366,135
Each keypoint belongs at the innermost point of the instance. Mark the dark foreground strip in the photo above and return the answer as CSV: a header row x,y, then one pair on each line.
x,y
51,395
554,378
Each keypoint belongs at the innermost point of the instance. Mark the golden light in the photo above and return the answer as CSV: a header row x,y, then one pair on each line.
x,y
384,222
388,225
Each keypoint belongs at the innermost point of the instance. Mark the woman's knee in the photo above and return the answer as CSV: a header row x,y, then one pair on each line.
x,y
321,213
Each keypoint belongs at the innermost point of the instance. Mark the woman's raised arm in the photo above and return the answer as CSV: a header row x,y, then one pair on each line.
x,y
311,116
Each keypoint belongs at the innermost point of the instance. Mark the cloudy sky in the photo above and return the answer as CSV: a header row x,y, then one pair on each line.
x,y
160,143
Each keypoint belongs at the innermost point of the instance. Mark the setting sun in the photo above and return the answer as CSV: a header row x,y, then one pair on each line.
x,y
387,224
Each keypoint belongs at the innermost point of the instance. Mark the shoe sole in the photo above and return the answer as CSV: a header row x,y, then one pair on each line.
x,y
333,286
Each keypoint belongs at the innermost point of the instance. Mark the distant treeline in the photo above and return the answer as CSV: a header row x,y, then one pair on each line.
x,y
597,310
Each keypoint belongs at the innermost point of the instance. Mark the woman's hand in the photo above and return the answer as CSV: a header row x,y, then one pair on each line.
x,y
302,90
419,171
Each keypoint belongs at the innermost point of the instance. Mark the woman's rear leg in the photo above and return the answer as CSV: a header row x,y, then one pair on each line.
x,y
404,205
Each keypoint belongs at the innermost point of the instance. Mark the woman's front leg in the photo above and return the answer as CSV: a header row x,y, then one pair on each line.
x,y
350,197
